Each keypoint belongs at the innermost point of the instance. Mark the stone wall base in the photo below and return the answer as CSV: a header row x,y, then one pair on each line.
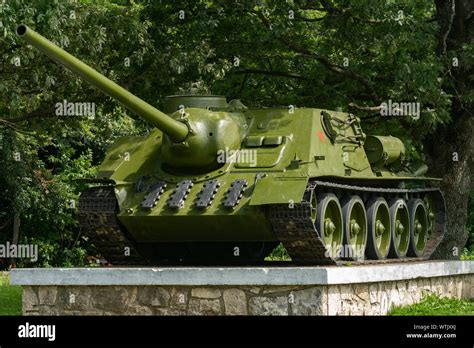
x,y
347,299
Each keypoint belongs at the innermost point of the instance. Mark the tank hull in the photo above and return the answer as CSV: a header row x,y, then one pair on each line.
x,y
277,173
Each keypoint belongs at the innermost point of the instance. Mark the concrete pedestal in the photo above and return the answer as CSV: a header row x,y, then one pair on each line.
x,y
349,290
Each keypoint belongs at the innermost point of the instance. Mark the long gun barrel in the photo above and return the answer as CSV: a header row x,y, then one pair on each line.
x,y
176,130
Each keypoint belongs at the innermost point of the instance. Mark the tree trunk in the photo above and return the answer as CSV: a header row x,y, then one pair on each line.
x,y
16,235
451,147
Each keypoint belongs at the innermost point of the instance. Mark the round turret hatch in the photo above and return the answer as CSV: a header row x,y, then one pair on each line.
x,y
175,102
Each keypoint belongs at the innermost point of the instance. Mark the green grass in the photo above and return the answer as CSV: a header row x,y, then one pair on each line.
x,y
10,297
467,254
434,305
278,254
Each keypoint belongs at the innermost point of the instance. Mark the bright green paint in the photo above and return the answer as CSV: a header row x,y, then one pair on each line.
x,y
283,149
175,130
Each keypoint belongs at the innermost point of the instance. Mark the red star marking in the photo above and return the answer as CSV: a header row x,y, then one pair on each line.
x,y
321,135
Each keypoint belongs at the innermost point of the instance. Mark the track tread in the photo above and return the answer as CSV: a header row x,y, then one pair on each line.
x,y
294,227
98,208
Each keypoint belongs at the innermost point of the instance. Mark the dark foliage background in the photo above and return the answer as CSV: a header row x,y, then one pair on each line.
x,y
348,53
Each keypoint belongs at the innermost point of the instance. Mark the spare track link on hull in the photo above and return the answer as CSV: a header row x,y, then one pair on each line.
x,y
98,208
294,227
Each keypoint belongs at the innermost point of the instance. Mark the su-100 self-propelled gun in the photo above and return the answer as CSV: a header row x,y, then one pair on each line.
x,y
215,181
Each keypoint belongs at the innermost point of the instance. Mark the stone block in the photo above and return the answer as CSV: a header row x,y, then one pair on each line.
x,y
437,286
179,298
402,291
394,298
384,303
425,286
211,293
167,311
138,310
334,301
459,286
251,289
110,299
47,295
74,298
235,302
361,291
374,294
357,308
310,301
361,299
468,287
263,305
414,290
278,289
153,296
199,306
347,299
30,299
450,287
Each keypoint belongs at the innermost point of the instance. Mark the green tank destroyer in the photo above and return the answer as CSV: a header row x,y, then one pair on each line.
x,y
218,182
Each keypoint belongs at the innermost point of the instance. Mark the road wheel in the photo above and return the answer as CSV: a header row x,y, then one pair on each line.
x,y
355,227
418,227
379,231
329,223
400,226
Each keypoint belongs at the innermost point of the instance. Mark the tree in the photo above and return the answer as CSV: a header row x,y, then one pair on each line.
x,y
41,153
452,145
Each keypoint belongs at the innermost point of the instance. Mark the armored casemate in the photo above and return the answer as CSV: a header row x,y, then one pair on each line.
x,y
215,181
